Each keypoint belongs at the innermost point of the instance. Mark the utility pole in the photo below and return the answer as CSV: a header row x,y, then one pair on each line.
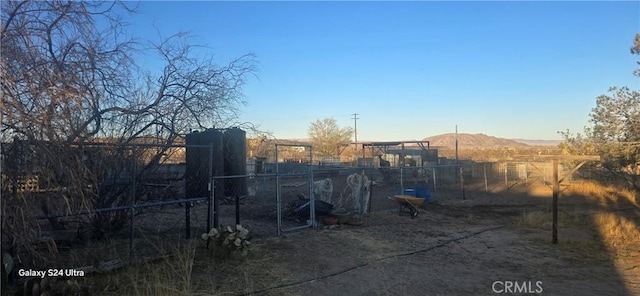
x,y
456,140
355,126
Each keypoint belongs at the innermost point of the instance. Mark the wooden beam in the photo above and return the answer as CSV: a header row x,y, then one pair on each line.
x,y
556,193
566,157
528,158
536,167
573,171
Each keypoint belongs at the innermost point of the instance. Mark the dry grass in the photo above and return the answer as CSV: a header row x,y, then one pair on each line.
x,y
604,195
170,274
188,269
544,219
612,213
616,218
617,230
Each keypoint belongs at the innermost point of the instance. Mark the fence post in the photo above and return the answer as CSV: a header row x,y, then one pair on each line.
x,y
211,189
133,201
264,183
435,185
187,213
462,181
312,197
556,191
401,180
486,184
506,177
278,195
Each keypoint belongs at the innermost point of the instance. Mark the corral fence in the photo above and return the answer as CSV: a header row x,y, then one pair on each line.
x,y
65,196
142,194
499,176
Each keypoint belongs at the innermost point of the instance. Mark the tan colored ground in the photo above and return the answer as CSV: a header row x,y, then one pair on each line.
x,y
453,247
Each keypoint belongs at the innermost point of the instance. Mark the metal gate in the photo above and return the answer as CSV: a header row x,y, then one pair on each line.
x,y
294,187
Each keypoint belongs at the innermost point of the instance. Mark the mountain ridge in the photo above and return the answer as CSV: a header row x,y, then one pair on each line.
x,y
481,140
466,140
538,142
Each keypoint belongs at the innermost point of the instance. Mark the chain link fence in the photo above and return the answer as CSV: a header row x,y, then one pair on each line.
x,y
66,196
142,195
468,177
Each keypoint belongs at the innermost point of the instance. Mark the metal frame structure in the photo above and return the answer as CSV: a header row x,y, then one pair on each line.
x,y
312,217
377,147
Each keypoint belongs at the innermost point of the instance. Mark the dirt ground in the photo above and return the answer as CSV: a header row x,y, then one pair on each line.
x,y
475,246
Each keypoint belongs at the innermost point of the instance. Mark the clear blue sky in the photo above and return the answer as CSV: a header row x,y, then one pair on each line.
x,y
416,69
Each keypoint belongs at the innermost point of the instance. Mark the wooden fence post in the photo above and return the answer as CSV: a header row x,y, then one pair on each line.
x,y
462,181
506,178
486,184
556,191
526,174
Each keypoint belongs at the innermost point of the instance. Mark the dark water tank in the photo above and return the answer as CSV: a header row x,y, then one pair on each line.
x,y
200,158
235,161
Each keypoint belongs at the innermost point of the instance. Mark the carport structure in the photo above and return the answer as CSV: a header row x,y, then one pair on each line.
x,y
392,146
400,148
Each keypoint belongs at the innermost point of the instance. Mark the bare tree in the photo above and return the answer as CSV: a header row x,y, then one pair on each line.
x,y
60,71
65,78
69,76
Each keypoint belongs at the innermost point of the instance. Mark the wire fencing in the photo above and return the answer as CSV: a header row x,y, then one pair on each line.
x,y
143,195
492,177
68,195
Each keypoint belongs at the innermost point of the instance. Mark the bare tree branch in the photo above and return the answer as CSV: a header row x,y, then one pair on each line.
x,y
68,75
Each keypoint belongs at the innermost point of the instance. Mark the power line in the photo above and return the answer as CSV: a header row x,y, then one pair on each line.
x,y
355,126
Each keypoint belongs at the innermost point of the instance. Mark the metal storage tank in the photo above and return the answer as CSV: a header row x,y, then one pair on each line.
x,y
235,161
199,159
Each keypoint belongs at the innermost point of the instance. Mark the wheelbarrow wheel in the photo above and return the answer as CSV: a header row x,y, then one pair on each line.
x,y
414,213
413,210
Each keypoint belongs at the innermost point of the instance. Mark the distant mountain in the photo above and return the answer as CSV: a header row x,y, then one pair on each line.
x,y
294,140
539,142
472,141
